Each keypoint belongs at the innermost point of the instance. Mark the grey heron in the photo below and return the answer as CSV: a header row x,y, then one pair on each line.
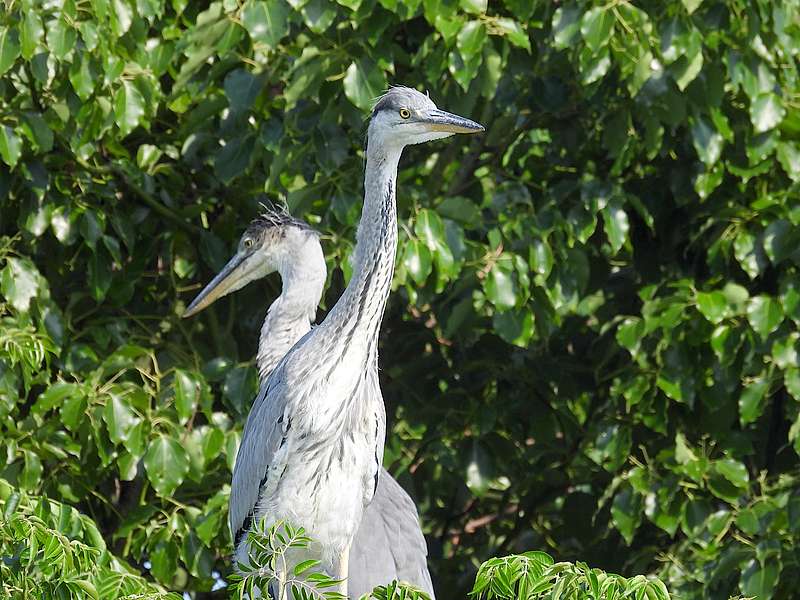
x,y
312,446
389,543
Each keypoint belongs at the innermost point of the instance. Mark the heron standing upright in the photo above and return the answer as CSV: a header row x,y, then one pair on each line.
x,y
312,446
389,544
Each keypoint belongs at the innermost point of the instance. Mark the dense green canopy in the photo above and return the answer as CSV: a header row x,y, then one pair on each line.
x,y
592,344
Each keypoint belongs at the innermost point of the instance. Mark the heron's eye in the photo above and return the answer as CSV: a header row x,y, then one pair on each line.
x,y
405,113
248,243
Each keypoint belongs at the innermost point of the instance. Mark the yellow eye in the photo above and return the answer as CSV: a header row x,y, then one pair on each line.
x,y
248,243
405,113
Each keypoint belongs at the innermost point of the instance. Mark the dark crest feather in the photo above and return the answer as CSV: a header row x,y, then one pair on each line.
x,y
276,215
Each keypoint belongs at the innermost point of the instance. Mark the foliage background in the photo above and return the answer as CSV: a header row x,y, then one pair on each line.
x,y
592,347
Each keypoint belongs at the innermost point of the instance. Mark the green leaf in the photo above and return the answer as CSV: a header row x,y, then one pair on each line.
x,y
791,379
515,32
61,38
691,5
500,288
242,88
733,471
748,254
304,566
54,396
240,386
19,282
781,240
630,333
597,26
470,39
593,67
119,417
723,489
99,274
686,69
760,580
665,515
363,83
476,7
187,394
164,560
540,257
751,402
31,474
514,326
147,156
121,17
707,141
212,444
10,146
682,50
616,225
566,26
9,48
765,314
234,158
128,107
266,21
626,512
789,156
166,463
713,306
35,128
766,112
318,15
461,209
30,35
81,77
417,261
430,230
73,410
479,472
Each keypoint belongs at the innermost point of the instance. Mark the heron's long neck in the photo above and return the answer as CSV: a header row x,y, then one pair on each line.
x,y
358,314
290,316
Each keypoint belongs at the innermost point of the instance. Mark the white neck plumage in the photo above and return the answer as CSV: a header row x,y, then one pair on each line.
x,y
290,316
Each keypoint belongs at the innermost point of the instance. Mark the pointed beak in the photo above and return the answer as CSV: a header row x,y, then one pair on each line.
x,y
224,283
439,120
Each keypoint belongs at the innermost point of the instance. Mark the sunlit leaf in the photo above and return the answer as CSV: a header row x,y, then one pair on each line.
x,y
266,21
363,83
128,107
10,146
166,463
9,48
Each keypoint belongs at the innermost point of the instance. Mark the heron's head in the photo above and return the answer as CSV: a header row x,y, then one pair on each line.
x,y
403,116
271,241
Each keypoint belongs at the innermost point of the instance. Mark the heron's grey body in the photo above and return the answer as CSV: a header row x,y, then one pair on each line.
x,y
312,446
389,544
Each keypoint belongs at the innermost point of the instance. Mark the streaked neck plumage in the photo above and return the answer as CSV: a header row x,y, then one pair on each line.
x,y
303,273
358,313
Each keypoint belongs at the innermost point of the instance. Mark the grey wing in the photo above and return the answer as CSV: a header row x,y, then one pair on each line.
x,y
389,543
264,433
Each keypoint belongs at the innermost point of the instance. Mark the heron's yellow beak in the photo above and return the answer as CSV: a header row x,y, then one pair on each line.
x,y
439,120
224,283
